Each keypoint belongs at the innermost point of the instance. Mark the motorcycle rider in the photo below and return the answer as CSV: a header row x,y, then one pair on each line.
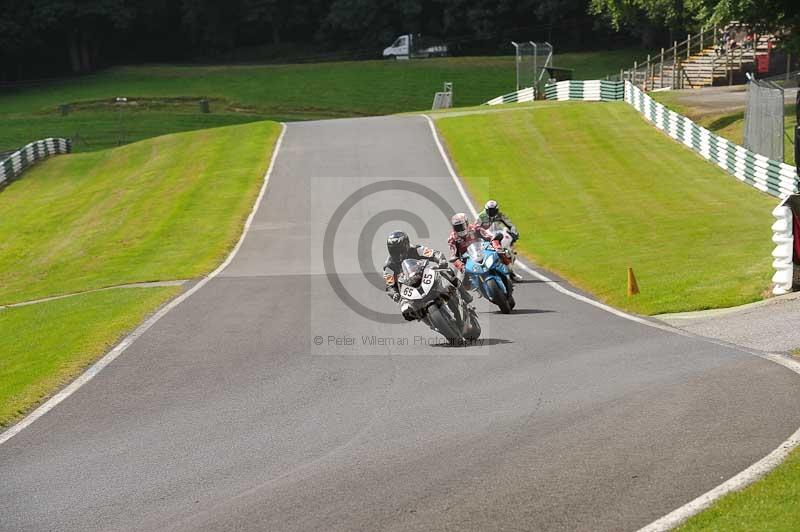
x,y
491,214
400,249
464,234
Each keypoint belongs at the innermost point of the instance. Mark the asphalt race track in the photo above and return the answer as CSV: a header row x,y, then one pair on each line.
x,y
270,401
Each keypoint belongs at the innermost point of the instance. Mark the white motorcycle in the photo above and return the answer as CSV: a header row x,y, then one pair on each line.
x,y
507,242
429,294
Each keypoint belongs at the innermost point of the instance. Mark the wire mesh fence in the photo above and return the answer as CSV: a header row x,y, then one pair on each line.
x,y
531,60
763,119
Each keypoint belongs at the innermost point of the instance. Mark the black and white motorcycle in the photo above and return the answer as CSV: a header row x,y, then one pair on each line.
x,y
430,294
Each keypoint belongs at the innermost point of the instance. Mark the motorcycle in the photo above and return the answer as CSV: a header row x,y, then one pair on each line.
x,y
485,270
507,240
429,294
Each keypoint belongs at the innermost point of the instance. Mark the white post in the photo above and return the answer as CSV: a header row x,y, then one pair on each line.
x,y
516,60
784,250
535,65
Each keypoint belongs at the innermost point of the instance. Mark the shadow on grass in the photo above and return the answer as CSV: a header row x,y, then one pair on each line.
x,y
724,121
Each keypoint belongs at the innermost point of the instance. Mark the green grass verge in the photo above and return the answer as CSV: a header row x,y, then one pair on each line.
x,y
164,98
595,189
46,345
729,125
166,208
772,503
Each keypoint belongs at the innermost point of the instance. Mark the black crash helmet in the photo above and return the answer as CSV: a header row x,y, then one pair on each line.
x,y
398,245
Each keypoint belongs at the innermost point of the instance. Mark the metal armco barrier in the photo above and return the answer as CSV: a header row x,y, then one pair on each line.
x,y
17,162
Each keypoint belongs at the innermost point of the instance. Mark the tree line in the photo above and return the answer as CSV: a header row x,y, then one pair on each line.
x,y
40,38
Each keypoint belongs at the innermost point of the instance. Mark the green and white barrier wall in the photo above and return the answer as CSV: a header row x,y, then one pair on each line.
x,y
522,95
593,90
773,177
16,163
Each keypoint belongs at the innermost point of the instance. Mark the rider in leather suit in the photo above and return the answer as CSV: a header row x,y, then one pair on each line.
x,y
492,214
401,249
464,234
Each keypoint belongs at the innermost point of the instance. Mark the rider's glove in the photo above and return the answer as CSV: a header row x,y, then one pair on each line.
x,y
459,265
395,297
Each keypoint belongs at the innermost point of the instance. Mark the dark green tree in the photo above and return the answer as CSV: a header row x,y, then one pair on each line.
x,y
779,17
84,27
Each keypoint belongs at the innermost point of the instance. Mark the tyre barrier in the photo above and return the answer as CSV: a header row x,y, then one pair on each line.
x,y
786,255
12,166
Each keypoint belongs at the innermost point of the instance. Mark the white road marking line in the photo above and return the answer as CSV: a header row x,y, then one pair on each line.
x,y
126,342
735,483
553,284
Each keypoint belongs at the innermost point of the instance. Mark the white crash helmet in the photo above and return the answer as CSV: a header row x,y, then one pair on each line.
x,y
460,224
491,207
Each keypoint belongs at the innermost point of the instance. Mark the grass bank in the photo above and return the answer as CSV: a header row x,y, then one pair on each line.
x,y
164,99
166,208
161,209
596,189
46,345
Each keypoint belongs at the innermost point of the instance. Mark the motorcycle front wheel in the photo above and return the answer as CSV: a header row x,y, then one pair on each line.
x,y
443,324
499,297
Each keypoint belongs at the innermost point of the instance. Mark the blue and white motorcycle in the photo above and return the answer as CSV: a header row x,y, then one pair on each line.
x,y
486,272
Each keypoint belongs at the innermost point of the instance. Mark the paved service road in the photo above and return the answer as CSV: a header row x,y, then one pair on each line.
x,y
226,415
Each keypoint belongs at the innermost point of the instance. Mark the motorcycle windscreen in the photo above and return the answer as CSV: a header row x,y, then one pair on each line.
x,y
475,252
412,271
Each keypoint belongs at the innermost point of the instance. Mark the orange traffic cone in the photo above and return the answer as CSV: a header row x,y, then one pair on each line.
x,y
633,286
